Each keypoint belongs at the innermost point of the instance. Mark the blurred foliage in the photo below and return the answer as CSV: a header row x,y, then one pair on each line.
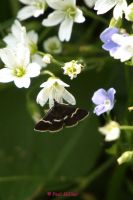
x,y
32,164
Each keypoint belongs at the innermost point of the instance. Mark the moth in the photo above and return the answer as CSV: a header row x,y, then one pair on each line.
x,y
59,116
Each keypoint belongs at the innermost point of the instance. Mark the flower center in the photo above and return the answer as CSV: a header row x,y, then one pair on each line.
x,y
107,103
40,5
70,12
71,70
19,71
111,126
53,46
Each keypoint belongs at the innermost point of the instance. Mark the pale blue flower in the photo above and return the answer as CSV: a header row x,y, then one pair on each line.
x,y
106,37
119,45
104,100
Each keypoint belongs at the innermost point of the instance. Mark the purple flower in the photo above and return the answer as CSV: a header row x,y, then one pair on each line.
x,y
104,100
106,37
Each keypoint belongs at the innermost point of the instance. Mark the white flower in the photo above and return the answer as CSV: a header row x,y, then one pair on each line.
x,y
103,6
90,3
17,66
111,131
126,157
129,12
54,89
65,14
19,35
53,45
33,8
125,51
72,69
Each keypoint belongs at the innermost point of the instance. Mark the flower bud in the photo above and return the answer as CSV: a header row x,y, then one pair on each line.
x,y
46,58
126,157
111,131
53,45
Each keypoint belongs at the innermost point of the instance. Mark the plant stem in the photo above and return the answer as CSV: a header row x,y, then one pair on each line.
x,y
87,180
93,15
56,62
53,60
48,72
126,127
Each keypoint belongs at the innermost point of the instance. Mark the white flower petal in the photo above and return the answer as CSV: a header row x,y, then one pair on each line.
x,y
5,75
79,18
70,3
65,29
38,12
51,81
18,31
22,55
26,12
38,59
57,93
119,8
33,36
56,4
103,6
8,57
21,82
112,135
42,97
68,97
17,35
33,70
90,3
60,82
111,131
51,101
117,11
26,1
47,84
118,38
123,54
54,18
10,40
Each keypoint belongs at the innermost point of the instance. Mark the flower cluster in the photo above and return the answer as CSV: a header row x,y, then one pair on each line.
x,y
65,13
19,56
28,53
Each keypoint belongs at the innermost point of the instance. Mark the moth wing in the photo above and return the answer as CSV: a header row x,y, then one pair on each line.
x,y
60,115
53,121
58,112
44,126
76,117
